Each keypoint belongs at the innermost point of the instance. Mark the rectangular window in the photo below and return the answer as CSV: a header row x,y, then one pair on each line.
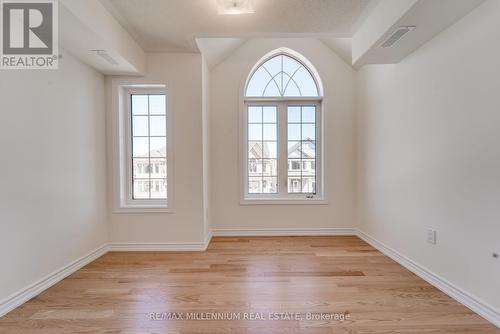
x,y
282,150
301,138
262,145
143,146
149,146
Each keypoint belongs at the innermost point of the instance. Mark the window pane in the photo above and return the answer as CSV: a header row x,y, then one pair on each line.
x,y
257,82
308,131
292,89
158,188
306,82
290,65
270,132
294,149
158,168
273,65
255,150
294,167
254,114
294,132
308,149
308,167
270,167
270,149
157,126
254,185
254,167
308,114
294,185
140,168
254,132
269,185
269,114
158,146
157,104
293,114
139,104
140,147
141,189
309,185
272,89
140,125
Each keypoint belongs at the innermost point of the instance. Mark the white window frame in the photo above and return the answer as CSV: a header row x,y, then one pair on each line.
x,y
122,166
282,196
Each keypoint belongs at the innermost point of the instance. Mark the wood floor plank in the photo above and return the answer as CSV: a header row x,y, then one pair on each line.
x,y
119,292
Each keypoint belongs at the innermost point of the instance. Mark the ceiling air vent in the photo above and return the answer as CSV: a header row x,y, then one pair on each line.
x,y
104,55
396,36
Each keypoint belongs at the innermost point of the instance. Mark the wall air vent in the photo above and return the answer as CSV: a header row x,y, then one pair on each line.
x,y
396,36
105,55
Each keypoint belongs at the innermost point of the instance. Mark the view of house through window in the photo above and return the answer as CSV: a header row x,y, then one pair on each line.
x,y
282,105
262,149
301,149
149,146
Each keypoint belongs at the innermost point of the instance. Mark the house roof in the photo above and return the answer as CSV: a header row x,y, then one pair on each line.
x,y
304,149
159,153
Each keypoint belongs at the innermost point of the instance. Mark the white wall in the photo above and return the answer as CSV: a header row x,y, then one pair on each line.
x,y
52,175
181,73
429,153
339,105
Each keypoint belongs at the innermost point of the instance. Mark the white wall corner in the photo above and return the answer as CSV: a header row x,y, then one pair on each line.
x,y
22,296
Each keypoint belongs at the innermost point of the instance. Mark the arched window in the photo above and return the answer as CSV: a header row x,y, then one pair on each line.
x,y
281,75
282,141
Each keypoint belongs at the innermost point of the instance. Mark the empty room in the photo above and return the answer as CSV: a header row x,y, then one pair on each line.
x,y
249,166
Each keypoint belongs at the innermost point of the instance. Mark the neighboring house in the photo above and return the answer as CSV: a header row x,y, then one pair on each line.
x,y
262,170
302,167
150,174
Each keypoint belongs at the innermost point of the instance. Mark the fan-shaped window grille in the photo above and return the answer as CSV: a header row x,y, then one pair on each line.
x,y
281,76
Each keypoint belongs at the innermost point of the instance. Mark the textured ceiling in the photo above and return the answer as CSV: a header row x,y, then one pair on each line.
x,y
173,25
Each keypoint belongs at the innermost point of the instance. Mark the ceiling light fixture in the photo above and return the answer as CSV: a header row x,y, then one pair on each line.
x,y
233,7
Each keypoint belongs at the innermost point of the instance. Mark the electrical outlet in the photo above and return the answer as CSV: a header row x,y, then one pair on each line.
x,y
431,236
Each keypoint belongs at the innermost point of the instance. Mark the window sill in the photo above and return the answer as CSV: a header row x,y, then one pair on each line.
x,y
282,201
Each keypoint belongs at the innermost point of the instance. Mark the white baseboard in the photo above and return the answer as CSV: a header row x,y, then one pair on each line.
x,y
22,296
283,232
208,238
156,247
472,302
160,246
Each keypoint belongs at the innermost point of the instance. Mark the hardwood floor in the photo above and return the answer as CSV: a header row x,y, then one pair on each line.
x,y
335,275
